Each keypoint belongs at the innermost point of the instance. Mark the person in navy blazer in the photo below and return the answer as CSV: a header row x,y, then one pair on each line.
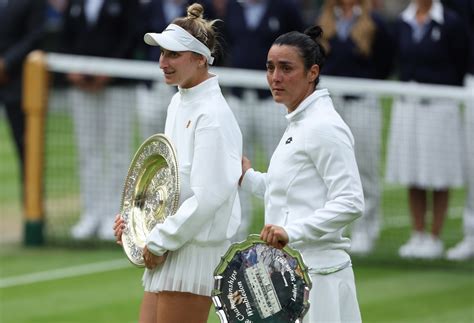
x,y
102,107
21,30
250,27
425,141
249,41
107,32
359,45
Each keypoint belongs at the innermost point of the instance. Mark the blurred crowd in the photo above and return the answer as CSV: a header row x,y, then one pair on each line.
x,y
427,41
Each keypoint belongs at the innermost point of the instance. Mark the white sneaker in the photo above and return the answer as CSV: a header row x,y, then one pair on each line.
x,y
408,249
464,250
86,228
361,244
106,233
431,248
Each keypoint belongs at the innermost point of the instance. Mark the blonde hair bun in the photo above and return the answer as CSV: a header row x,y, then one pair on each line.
x,y
195,11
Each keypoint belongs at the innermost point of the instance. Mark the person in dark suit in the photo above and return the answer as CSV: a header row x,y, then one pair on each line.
x,y
425,141
250,27
102,108
359,46
20,32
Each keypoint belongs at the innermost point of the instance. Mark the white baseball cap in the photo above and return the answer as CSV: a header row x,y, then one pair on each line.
x,y
177,39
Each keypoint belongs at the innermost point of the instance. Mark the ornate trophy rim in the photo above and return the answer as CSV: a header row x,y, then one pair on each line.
x,y
245,245
150,193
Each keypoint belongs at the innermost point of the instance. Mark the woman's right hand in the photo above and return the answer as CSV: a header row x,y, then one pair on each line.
x,y
246,165
151,260
274,235
119,226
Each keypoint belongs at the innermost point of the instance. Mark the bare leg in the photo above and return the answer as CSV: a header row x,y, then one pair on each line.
x,y
148,308
440,208
417,199
178,307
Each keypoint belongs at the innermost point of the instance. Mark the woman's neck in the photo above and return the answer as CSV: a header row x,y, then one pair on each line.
x,y
294,105
347,11
196,79
423,8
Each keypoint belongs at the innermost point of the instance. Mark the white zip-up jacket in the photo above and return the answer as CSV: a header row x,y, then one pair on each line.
x,y
312,188
208,143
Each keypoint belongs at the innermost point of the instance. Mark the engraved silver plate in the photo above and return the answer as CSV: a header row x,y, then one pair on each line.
x,y
255,282
150,194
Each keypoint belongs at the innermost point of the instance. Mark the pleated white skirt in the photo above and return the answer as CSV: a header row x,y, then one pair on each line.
x,y
188,269
333,298
425,144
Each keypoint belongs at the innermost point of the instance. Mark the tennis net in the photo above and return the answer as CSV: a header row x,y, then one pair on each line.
x,y
136,108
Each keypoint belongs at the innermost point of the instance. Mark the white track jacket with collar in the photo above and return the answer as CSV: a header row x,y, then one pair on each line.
x,y
312,188
208,144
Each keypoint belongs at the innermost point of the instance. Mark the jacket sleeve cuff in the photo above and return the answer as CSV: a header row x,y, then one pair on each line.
x,y
254,182
294,233
154,249
250,180
153,246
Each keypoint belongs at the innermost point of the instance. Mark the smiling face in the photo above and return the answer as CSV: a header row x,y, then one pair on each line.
x,y
289,81
185,69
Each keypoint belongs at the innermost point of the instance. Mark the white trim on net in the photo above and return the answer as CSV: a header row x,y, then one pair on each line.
x,y
146,70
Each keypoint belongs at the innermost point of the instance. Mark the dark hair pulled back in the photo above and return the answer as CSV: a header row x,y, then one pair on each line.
x,y
308,45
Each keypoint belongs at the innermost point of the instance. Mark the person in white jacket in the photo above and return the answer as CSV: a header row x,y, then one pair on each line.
x,y
312,189
182,252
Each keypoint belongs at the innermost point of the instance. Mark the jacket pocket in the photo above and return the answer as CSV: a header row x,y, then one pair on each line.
x,y
286,214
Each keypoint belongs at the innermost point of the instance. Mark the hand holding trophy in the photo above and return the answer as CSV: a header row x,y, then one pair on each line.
x,y
150,195
256,282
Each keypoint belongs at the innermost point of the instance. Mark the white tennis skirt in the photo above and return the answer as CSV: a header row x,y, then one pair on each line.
x,y
425,144
333,298
189,269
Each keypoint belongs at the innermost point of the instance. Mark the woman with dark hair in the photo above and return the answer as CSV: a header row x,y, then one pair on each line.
x,y
182,252
312,189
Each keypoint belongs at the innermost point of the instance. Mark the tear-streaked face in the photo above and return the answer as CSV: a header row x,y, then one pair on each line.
x,y
289,81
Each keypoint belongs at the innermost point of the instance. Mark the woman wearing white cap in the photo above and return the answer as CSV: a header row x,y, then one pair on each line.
x,y
182,252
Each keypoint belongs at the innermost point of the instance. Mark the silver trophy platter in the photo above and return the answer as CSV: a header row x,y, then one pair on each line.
x,y
150,194
255,283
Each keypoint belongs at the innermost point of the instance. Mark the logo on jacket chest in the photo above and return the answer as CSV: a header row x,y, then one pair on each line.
x,y
289,140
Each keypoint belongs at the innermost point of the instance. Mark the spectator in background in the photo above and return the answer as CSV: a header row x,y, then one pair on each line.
x,y
390,9
465,248
251,26
359,45
21,29
54,24
425,140
102,108
153,97
58,91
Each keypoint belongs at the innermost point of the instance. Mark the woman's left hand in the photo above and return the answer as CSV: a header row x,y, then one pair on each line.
x,y
151,260
274,235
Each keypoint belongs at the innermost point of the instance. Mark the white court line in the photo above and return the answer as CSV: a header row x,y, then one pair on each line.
x,y
67,272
